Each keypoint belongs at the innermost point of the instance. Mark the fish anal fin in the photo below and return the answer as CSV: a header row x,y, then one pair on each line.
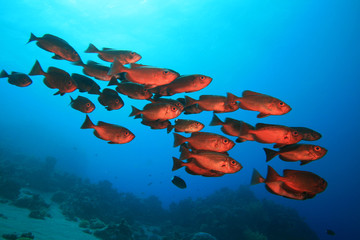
x,y
262,115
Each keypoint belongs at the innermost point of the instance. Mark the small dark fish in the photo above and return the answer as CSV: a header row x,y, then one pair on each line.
x,y
82,104
262,103
86,84
108,54
307,133
132,90
330,232
110,99
16,78
96,70
56,45
177,181
112,133
55,78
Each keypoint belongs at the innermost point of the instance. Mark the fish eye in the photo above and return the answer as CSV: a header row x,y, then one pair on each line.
x,y
69,83
132,53
225,141
166,72
116,100
281,104
88,104
202,78
295,133
233,162
173,109
126,133
317,148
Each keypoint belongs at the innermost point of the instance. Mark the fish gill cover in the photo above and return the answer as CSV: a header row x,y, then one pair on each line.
x,y
161,73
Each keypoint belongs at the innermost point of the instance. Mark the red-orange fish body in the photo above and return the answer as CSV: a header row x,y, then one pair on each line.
x,y
151,77
112,133
218,104
157,111
205,141
56,45
187,126
110,99
297,152
307,133
214,161
262,103
132,90
168,100
193,168
16,78
184,84
271,133
108,54
96,70
55,78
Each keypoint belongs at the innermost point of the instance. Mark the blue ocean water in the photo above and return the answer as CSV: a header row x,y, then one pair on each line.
x,y
303,52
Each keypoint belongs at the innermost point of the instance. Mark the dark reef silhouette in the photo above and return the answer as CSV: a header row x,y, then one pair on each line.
x,y
109,214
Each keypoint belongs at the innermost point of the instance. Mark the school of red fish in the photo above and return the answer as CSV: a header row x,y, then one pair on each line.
x,y
202,153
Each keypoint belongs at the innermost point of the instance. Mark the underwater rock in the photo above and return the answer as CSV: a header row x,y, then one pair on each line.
x,y
15,236
12,236
115,232
9,189
39,214
203,236
84,224
96,224
31,202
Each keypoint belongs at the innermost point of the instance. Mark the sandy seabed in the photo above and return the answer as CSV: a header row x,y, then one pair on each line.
x,y
54,228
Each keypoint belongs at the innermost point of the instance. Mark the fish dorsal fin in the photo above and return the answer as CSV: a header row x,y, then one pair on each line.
x,y
54,38
137,65
262,125
104,124
107,49
251,93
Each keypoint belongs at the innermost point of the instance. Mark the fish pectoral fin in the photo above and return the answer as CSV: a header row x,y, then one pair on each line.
x,y
304,162
57,57
262,115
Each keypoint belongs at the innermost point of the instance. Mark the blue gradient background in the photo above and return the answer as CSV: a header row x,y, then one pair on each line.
x,y
303,52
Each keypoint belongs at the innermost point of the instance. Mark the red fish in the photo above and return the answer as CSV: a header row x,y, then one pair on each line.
x,y
183,84
157,111
82,104
218,104
156,124
194,169
86,84
55,78
168,100
205,141
108,54
262,103
110,99
56,45
271,133
16,78
304,153
149,76
215,161
132,90
96,70
234,127
112,133
307,133
278,187
187,126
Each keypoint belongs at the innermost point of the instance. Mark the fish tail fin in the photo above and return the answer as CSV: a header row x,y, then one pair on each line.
x,y
3,74
78,63
36,70
215,121
178,139
113,81
94,90
87,123
116,67
134,111
240,140
189,101
91,49
231,97
245,129
256,178
169,128
270,154
177,164
185,153
272,175
32,38
71,100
